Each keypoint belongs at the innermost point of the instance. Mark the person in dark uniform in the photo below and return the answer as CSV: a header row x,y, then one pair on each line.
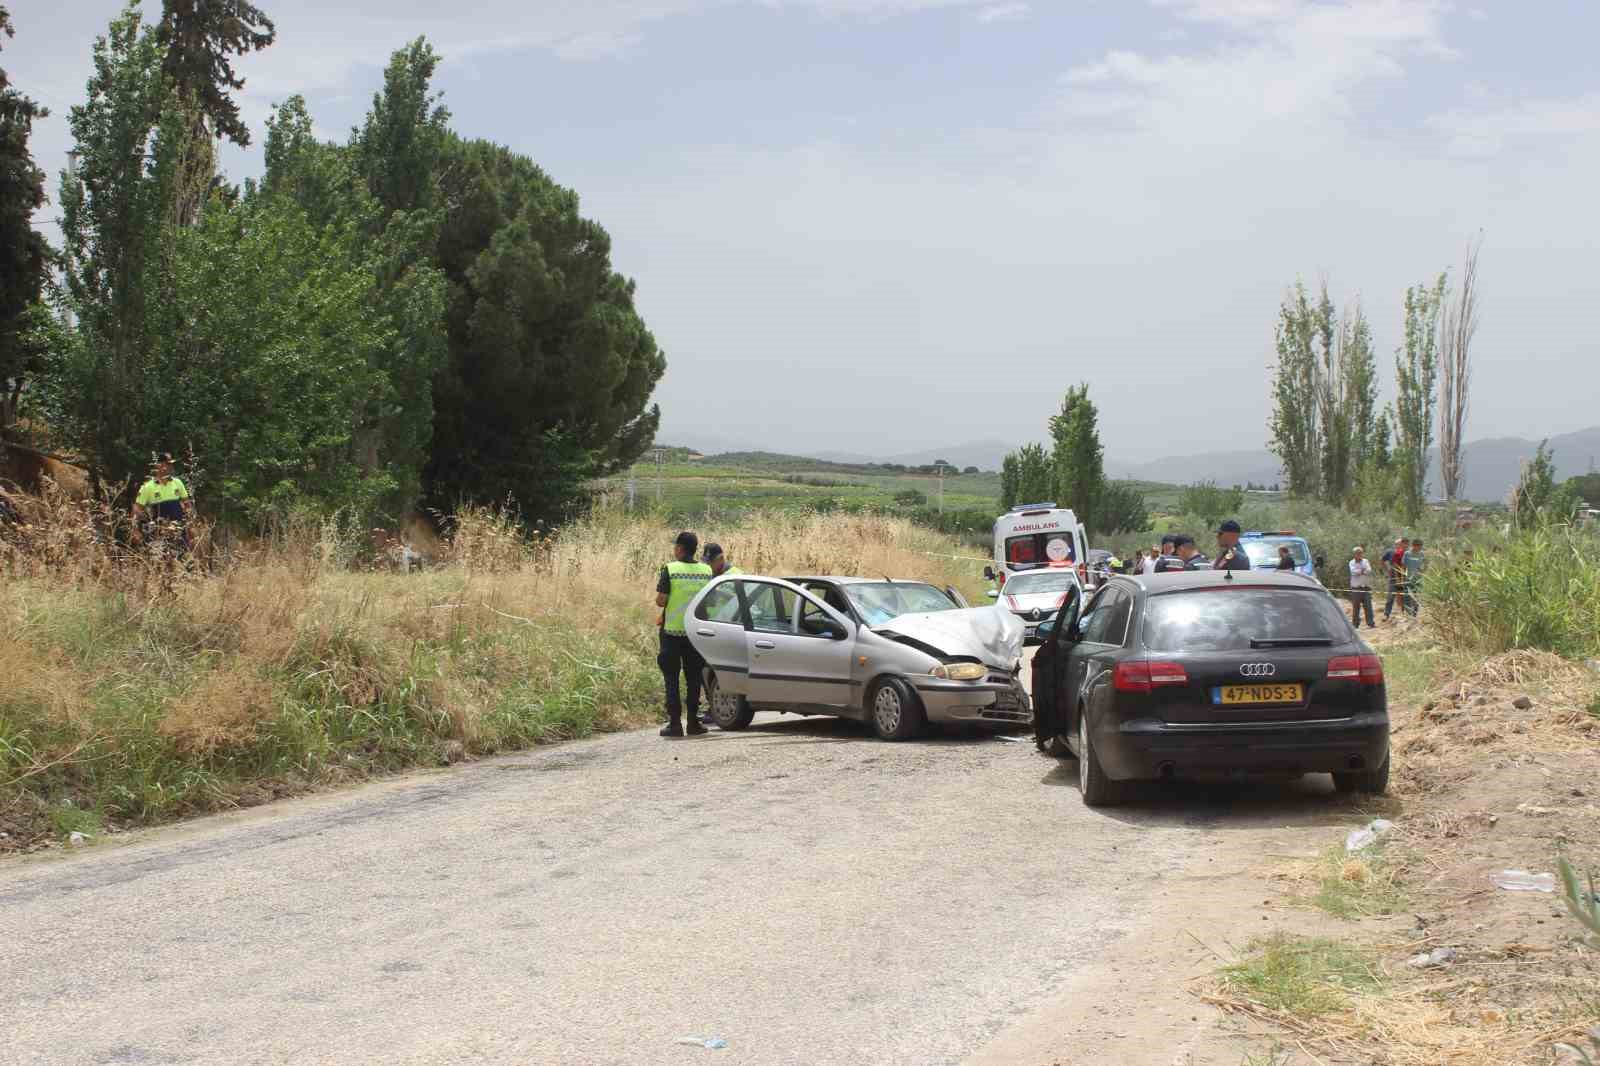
x,y
1229,555
1185,556
1285,560
681,580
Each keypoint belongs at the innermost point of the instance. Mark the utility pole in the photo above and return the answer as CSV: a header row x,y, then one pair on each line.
x,y
659,456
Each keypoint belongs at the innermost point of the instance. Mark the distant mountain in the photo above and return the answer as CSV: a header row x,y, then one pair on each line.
x,y
983,454
1492,465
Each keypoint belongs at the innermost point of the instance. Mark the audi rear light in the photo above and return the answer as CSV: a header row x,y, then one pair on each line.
x,y
1168,674
1139,675
1367,669
1132,676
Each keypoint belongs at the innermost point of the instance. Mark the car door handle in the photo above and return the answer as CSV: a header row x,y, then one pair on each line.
x,y
765,645
706,632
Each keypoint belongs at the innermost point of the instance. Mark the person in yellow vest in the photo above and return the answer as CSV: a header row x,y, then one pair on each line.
x,y
714,558
164,502
680,581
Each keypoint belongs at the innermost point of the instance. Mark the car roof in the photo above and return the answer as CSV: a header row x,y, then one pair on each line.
x,y
856,580
1176,580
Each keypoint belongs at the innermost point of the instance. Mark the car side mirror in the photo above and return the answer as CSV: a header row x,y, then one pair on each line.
x,y
834,630
1046,629
988,573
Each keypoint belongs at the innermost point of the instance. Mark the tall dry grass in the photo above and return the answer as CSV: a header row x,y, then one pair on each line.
x,y
136,687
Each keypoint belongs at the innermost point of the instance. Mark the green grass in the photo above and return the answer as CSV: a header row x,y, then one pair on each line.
x,y
1304,977
1362,885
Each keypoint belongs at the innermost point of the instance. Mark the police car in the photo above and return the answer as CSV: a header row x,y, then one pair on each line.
x,y
1262,548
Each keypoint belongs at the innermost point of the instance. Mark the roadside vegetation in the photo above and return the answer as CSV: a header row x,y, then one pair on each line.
x,y
134,691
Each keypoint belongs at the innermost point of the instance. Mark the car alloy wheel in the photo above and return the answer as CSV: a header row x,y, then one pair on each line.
x,y
1083,753
887,710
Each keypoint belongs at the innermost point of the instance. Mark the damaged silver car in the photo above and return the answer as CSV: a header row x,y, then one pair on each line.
x,y
894,654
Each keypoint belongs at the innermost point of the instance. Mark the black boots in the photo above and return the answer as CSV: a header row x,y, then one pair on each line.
x,y
692,726
676,726
673,728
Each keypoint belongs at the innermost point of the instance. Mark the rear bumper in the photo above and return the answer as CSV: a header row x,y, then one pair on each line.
x,y
995,703
1145,748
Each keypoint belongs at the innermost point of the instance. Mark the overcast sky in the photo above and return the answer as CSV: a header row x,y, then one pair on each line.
x,y
887,225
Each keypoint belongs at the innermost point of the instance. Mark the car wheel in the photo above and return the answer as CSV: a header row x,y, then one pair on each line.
x,y
1372,782
1097,789
730,712
895,712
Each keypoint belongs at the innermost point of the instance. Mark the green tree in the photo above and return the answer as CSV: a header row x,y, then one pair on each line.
x,y
1079,459
1536,487
111,213
1416,394
1350,390
1009,475
547,356
1295,423
1123,509
23,252
1034,475
1586,487
1210,503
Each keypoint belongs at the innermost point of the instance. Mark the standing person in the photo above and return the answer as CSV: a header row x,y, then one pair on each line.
x,y
1394,565
1361,588
714,558
1172,549
681,580
1285,560
1229,555
1416,562
164,502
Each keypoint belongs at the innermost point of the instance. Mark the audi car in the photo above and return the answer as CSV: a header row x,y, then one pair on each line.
x,y
1212,671
1035,595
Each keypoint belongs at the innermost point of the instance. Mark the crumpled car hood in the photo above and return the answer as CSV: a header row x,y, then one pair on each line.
x,y
989,634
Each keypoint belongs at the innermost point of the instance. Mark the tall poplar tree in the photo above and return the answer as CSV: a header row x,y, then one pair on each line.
x,y
1079,458
1416,391
23,252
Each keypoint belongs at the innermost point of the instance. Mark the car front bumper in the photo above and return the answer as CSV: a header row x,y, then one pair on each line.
x,y
1146,748
995,701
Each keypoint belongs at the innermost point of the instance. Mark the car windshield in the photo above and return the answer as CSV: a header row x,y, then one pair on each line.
x,y
1228,619
879,601
1264,553
1039,583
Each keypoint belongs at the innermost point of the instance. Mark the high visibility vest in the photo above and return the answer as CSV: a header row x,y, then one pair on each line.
x,y
729,571
163,501
687,579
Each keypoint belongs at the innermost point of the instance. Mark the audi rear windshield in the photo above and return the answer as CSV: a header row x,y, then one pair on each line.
x,y
1229,619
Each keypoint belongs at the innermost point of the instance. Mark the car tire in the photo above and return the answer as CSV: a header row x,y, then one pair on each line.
x,y
894,710
728,711
1097,789
1371,782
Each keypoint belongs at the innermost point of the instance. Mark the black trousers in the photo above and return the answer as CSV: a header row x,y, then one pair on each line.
x,y
679,657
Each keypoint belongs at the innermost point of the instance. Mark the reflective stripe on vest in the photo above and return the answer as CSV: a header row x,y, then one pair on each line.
x,y
687,579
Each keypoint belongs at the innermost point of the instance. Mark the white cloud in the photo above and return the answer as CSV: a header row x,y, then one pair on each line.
x,y
1488,131
1003,13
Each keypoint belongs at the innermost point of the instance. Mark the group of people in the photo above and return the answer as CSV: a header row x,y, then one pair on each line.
x,y
1401,566
679,582
1178,551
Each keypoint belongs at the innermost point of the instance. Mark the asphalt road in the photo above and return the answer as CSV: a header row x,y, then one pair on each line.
x,y
803,891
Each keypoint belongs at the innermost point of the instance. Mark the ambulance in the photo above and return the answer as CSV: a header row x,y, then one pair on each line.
x,y
1039,536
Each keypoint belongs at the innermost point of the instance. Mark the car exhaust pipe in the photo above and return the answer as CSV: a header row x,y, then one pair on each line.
x,y
1166,770
1356,762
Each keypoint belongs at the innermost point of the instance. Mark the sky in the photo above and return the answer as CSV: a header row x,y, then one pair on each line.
x,y
884,226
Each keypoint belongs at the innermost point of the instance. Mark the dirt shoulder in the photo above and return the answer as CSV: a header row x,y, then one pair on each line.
x,y
1494,770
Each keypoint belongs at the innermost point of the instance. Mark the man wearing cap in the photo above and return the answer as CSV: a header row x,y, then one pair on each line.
x,y
1361,588
1229,555
1185,556
163,501
1167,559
680,581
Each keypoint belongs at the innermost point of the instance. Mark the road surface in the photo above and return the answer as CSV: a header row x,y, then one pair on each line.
x,y
803,891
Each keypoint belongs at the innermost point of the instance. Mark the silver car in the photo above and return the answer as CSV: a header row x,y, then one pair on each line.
x,y
893,654
1035,596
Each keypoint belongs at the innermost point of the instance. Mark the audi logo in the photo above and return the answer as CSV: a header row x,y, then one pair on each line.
x,y
1258,669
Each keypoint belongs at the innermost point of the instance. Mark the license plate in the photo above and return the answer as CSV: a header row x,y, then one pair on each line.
x,y
1244,695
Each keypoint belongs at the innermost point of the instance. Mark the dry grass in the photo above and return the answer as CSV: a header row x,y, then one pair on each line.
x,y
146,689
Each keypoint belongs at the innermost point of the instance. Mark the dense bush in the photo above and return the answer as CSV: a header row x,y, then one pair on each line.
x,y
1539,589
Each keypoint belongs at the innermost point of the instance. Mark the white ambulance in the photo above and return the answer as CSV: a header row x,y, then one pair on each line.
x,y
1038,536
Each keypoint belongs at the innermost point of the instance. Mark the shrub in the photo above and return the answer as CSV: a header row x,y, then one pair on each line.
x,y
1538,589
